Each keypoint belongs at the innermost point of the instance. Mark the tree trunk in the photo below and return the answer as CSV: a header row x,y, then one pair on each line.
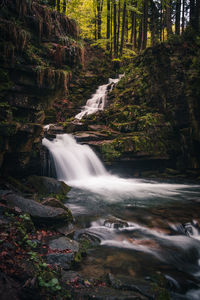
x,y
123,28
108,24
144,25
118,25
183,15
192,12
99,11
58,5
115,28
178,17
197,16
64,6
169,18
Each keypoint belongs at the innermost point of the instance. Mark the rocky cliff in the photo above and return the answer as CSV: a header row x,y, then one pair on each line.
x,y
39,50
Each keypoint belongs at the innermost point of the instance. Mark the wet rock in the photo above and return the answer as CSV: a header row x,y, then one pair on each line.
x,y
64,243
68,276
67,229
115,223
64,260
47,185
36,210
74,126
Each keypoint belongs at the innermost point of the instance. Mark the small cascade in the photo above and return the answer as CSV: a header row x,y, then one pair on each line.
x,y
98,100
73,161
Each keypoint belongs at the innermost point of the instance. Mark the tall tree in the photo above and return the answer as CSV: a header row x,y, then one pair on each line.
x,y
183,15
169,17
118,25
115,27
144,25
178,17
108,24
58,5
123,28
64,6
99,12
133,26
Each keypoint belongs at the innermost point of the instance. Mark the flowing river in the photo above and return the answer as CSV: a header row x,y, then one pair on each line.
x,y
142,226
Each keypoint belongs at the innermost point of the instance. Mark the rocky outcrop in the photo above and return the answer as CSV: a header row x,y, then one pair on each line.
x,y
38,50
39,212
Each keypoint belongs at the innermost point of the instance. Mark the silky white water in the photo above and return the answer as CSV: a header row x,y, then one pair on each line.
x,y
98,99
80,167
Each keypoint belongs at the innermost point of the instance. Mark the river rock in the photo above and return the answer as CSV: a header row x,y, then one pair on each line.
x,y
36,210
64,260
64,243
115,223
47,185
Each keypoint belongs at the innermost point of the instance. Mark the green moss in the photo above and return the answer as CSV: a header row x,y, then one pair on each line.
x,y
109,152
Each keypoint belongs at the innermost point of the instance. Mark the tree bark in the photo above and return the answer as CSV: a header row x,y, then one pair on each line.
x,y
99,11
64,6
108,24
169,18
123,28
144,25
115,28
118,25
58,5
183,16
178,17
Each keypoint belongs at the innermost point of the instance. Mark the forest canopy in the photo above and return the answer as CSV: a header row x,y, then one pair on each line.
x,y
129,26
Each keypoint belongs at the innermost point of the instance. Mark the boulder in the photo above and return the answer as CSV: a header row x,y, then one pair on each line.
x,y
115,223
47,185
64,260
64,243
36,210
65,252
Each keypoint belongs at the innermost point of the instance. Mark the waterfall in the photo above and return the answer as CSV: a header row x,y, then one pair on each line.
x,y
98,100
73,161
80,167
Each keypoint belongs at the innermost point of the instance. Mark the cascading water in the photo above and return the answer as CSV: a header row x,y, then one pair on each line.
x,y
80,167
98,100
73,161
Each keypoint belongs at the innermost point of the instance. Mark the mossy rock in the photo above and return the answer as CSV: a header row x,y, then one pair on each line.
x,y
53,202
48,186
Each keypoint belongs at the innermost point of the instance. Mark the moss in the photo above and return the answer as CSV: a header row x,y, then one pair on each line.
x,y
109,152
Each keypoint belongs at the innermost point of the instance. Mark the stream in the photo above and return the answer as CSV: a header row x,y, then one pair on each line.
x,y
139,226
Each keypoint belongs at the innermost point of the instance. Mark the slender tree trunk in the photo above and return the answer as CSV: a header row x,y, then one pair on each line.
x,y
169,18
99,11
115,28
161,22
140,35
111,31
58,5
133,27
183,15
95,27
197,16
153,24
178,17
126,27
118,25
123,28
144,25
192,12
108,24
64,6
